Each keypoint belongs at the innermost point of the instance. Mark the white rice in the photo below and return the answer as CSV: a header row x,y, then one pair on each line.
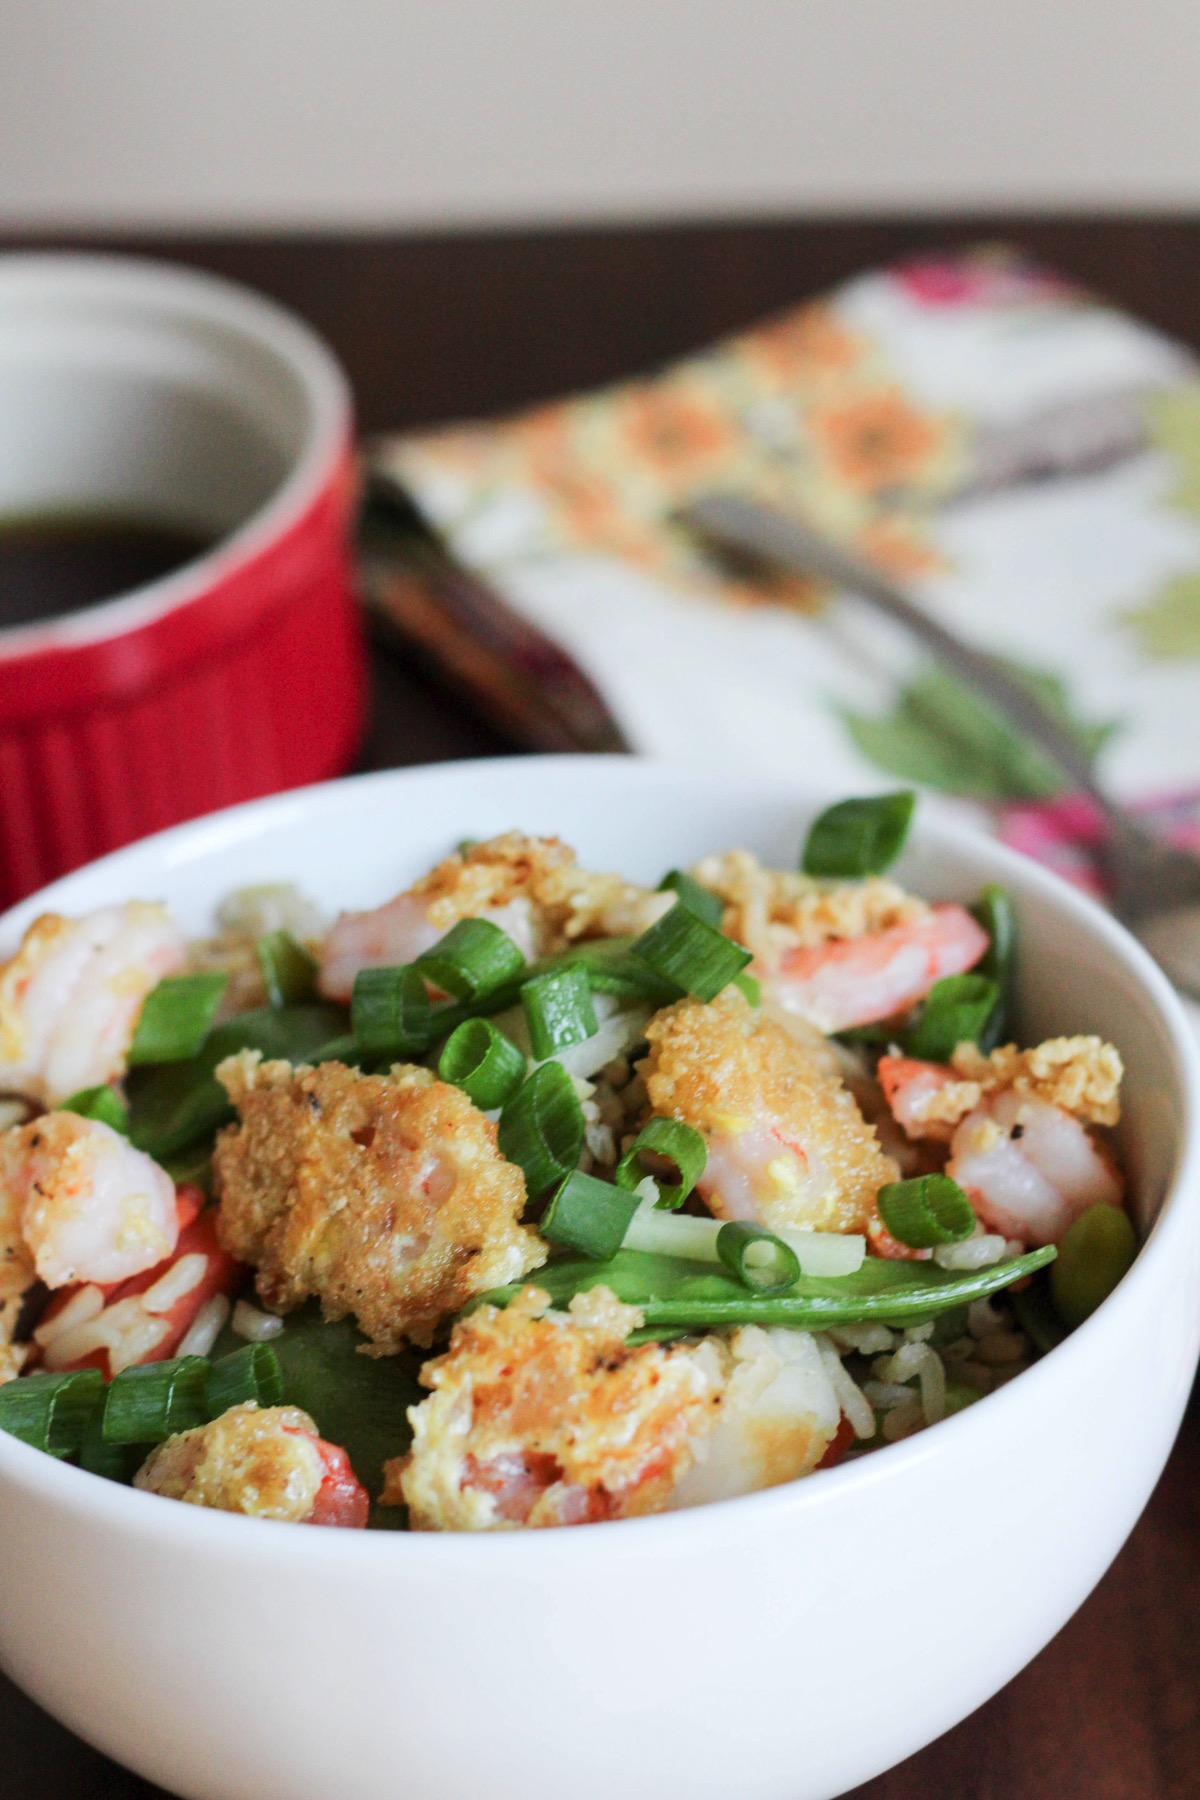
x,y
251,1323
205,1328
974,1253
850,1397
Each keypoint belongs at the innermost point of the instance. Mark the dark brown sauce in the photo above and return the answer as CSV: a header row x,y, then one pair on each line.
x,y
57,564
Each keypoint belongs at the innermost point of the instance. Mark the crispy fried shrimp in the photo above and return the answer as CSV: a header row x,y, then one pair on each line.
x,y
786,1142
1079,1075
70,997
268,1463
384,1195
531,887
775,910
546,1418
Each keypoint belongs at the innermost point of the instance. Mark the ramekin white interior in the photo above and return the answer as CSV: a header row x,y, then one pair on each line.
x,y
781,1647
152,392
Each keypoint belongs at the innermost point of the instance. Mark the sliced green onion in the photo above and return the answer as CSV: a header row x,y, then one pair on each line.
x,y
541,1128
51,1412
102,1103
749,987
587,1215
673,1141
176,1017
699,900
152,1401
473,959
390,1012
288,970
696,957
252,1373
558,1010
760,1260
859,837
484,1063
96,1454
611,968
955,1011
994,910
926,1211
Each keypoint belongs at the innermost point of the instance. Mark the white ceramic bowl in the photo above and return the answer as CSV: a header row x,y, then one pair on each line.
x,y
785,1646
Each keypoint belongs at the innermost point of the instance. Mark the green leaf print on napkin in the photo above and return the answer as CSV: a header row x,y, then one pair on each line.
x,y
941,734
1173,424
1168,627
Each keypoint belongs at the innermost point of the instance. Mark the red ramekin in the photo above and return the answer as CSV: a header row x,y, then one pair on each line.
x,y
142,390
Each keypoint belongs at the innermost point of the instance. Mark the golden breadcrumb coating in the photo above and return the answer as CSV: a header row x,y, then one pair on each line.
x,y
773,910
569,902
545,1418
384,1195
263,1462
772,1112
1079,1075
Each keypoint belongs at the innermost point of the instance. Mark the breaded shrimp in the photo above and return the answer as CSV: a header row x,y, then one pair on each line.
x,y
531,887
70,997
91,1207
1080,1075
839,953
773,911
384,1195
1018,1125
268,1463
544,1418
786,1143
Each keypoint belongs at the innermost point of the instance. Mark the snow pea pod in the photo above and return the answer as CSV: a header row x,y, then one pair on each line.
x,y
678,1295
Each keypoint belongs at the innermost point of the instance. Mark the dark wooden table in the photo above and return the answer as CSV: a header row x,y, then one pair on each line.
x,y
438,326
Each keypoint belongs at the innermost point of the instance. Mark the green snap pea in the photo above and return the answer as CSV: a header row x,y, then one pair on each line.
x,y
1094,1254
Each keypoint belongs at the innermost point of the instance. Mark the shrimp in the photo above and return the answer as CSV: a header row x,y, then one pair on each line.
x,y
786,1143
859,980
150,1316
1029,1168
70,997
926,1099
772,911
545,1418
91,1207
531,888
779,1415
384,1195
268,1463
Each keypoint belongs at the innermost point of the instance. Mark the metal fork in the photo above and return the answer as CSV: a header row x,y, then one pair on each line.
x,y
1154,886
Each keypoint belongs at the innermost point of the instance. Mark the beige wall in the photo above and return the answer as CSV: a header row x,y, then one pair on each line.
x,y
385,112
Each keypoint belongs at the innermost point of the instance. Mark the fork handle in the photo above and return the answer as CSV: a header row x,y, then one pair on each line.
x,y
756,530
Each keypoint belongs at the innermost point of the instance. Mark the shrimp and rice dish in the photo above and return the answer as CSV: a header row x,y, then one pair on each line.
x,y
533,1196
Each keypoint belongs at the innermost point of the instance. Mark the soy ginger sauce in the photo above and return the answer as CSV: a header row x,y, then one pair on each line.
x,y
56,564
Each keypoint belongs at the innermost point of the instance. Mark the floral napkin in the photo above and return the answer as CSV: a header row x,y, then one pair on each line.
x,y
1027,458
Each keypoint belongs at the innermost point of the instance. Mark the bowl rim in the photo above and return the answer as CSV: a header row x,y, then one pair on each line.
x,y
186,293
235,1538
